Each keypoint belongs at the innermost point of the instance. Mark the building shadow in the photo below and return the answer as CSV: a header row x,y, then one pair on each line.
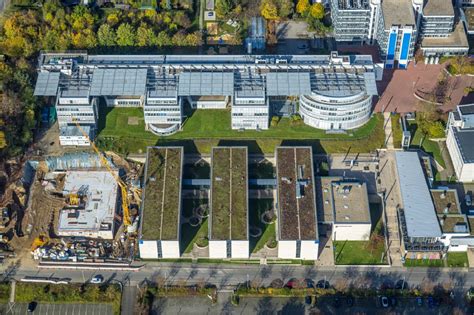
x,y
252,145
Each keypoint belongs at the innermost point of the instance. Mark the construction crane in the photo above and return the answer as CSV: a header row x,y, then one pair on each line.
x,y
127,220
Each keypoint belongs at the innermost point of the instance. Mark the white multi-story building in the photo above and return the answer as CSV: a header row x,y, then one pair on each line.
x,y
460,141
335,91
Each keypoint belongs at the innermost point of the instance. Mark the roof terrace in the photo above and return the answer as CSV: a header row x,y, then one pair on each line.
x,y
229,197
162,193
296,195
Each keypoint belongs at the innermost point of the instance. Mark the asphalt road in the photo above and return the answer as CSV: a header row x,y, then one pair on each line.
x,y
228,275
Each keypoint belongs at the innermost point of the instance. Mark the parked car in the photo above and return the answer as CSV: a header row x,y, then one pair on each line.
x,y
97,279
430,302
322,284
384,301
293,282
468,200
419,301
307,300
350,301
401,285
32,306
309,283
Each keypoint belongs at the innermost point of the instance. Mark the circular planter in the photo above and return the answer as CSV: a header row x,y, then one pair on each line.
x,y
271,245
268,217
255,231
202,211
194,221
203,246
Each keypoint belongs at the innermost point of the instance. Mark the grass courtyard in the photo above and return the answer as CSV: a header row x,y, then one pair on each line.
x,y
364,252
123,130
418,140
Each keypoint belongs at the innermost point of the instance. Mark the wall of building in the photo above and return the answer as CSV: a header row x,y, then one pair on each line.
x,y
217,249
250,117
240,249
121,102
83,113
464,171
287,249
331,115
309,250
170,249
351,232
148,249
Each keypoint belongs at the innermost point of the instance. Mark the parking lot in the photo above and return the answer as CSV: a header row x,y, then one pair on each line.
x,y
58,309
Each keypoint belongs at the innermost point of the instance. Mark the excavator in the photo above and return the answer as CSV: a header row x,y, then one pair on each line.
x,y
127,220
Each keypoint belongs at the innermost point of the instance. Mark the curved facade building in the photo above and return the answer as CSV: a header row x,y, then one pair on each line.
x,y
342,102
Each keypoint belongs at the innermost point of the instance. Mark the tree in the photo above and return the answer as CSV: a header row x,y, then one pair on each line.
x,y
106,35
126,35
285,8
436,130
224,7
269,10
145,36
302,6
317,11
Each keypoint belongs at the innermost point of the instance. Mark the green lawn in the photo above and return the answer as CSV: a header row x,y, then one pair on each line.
x,y
123,130
257,207
430,147
396,131
363,252
4,292
423,263
193,234
458,260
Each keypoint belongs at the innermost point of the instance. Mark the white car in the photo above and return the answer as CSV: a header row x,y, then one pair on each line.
x,y
384,301
97,279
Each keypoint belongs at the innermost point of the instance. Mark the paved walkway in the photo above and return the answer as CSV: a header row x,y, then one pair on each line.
x,y
470,257
389,184
388,130
129,297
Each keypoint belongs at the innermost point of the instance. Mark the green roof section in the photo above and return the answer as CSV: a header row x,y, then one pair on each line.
x,y
229,194
161,206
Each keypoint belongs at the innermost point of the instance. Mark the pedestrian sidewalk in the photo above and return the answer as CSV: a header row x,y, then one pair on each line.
x,y
388,131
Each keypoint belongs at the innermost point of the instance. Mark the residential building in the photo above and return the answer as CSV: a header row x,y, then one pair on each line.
x,y
229,216
336,91
297,220
355,21
160,220
91,204
396,33
441,33
460,141
345,204
464,3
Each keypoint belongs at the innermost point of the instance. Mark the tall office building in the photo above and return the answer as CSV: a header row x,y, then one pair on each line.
x,y
396,33
354,20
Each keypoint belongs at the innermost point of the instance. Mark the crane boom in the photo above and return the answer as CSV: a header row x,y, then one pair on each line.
x,y
127,221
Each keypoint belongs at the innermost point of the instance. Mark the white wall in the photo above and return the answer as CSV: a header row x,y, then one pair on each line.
x,y
74,140
170,249
458,248
211,104
351,232
309,250
464,171
287,249
217,249
240,249
148,249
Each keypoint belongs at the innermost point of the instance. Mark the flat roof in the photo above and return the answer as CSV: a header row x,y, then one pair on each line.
x,y
249,86
453,223
470,219
206,83
161,206
350,202
229,194
469,14
100,202
457,38
397,12
446,201
343,84
118,82
438,8
465,140
420,215
47,84
296,194
467,109
74,131
288,83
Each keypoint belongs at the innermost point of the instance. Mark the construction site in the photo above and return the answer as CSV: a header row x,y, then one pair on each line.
x,y
74,208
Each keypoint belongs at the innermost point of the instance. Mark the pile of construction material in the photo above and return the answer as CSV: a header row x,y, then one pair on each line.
x,y
78,250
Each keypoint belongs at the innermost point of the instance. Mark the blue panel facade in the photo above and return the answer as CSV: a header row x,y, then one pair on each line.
x,y
392,44
405,46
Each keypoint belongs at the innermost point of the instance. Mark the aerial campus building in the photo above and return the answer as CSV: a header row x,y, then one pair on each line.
x,y
297,220
159,232
460,141
336,90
